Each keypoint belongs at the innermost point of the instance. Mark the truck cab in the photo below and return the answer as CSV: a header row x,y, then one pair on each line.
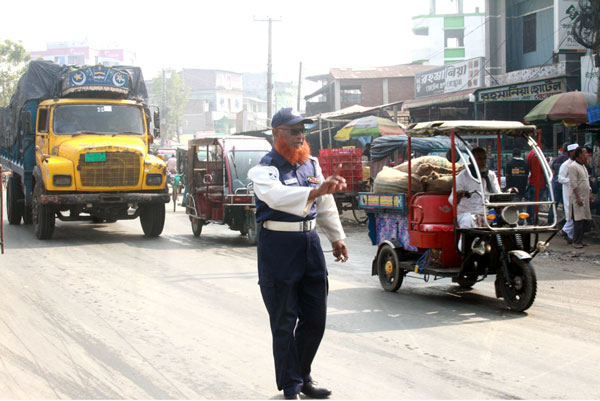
x,y
84,155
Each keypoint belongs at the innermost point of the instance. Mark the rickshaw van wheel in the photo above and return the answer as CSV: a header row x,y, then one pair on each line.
x,y
196,226
520,292
388,268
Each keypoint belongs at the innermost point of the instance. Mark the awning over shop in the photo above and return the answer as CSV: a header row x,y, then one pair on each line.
x,y
439,99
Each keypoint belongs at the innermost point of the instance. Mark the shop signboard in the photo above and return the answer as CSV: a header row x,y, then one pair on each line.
x,y
589,75
528,91
453,77
565,12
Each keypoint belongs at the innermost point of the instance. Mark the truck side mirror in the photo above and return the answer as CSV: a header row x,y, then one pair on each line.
x,y
26,123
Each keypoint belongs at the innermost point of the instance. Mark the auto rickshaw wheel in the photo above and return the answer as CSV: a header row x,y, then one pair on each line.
x,y
520,290
388,268
251,228
196,226
466,281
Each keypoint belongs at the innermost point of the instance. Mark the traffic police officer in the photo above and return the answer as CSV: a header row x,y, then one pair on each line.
x,y
291,198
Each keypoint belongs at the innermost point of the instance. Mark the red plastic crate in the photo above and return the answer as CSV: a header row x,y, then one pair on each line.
x,y
351,161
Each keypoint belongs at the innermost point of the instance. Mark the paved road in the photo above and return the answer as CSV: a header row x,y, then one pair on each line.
x,y
101,312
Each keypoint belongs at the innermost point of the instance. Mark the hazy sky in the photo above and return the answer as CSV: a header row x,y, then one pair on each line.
x,y
223,34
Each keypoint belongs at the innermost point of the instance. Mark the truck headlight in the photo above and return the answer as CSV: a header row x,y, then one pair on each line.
x,y
61,180
154,179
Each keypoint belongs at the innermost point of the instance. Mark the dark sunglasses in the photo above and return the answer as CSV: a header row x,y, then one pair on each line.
x,y
295,131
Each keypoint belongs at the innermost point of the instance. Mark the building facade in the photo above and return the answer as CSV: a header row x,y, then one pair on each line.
x,y
83,53
529,56
454,30
345,87
215,98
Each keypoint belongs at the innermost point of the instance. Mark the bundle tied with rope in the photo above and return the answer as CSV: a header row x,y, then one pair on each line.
x,y
429,174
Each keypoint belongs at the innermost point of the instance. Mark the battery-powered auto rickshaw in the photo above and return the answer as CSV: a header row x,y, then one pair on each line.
x,y
219,190
426,239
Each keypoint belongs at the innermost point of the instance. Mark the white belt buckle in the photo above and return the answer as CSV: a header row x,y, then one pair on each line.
x,y
306,225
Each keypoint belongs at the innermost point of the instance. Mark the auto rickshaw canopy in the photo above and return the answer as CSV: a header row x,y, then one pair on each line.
x,y
470,127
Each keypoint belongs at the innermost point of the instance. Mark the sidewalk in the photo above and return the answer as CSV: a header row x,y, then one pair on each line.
x,y
558,245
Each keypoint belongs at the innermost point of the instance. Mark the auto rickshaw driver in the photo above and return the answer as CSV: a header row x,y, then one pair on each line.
x,y
470,210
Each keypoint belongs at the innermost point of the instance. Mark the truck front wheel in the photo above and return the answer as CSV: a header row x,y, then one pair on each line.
x,y
152,218
42,215
14,200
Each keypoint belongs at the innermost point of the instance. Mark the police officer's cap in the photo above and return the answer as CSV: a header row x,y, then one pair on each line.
x,y
288,116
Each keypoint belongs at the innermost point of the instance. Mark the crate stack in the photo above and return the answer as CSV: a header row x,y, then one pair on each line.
x,y
351,161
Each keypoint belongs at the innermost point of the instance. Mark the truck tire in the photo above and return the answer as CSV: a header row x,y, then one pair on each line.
x,y
42,215
14,200
152,219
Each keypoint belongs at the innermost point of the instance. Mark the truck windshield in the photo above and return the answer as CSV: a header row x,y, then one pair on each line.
x,y
98,119
240,162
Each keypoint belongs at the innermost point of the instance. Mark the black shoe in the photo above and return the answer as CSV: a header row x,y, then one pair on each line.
x,y
292,397
315,392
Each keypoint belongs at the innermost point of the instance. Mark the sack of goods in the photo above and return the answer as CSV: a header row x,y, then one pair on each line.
x,y
429,174
436,162
391,180
437,182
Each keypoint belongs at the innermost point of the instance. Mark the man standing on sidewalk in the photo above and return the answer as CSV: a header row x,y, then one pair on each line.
x,y
579,181
557,186
567,230
537,186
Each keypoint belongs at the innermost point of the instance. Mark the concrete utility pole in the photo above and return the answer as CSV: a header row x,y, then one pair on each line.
x,y
299,86
269,70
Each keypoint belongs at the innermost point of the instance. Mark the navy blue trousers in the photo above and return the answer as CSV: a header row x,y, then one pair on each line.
x,y
293,283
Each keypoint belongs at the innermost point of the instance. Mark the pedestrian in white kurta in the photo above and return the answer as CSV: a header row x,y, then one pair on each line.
x,y
563,178
579,182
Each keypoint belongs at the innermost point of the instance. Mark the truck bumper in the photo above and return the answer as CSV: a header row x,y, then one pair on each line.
x,y
104,198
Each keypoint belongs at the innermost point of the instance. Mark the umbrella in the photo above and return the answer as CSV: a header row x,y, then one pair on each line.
x,y
569,106
368,126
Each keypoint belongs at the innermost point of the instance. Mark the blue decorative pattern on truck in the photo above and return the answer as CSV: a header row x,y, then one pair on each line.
x,y
96,78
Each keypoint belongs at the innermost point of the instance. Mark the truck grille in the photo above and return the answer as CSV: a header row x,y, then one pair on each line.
x,y
120,169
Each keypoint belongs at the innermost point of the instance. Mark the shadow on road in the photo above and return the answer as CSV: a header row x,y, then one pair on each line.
x,y
412,308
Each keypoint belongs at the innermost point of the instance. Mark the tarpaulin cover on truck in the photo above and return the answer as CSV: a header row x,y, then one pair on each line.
x,y
43,80
386,145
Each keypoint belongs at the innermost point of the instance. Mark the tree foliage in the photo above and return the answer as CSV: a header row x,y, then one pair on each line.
x,y
168,89
12,65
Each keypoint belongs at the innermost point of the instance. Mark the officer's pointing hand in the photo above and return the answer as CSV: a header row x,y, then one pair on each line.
x,y
334,183
340,251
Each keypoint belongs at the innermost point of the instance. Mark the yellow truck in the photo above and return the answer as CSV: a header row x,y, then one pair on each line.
x,y
77,142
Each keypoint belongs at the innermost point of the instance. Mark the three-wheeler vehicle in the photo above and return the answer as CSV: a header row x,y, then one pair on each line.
x,y
417,233
219,190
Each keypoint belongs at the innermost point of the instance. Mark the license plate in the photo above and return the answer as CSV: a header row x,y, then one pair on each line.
x,y
95,157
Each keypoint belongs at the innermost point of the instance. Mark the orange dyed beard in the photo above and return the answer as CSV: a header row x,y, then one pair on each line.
x,y
292,155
